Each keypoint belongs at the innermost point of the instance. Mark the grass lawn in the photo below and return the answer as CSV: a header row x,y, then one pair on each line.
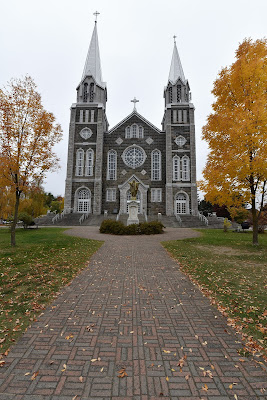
x,y
232,272
32,273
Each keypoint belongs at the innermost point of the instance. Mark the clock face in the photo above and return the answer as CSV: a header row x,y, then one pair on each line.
x,y
134,156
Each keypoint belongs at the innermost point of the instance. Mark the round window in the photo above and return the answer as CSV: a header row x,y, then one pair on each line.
x,y
134,156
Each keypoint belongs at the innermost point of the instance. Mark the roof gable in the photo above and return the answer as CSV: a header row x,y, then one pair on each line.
x,y
134,113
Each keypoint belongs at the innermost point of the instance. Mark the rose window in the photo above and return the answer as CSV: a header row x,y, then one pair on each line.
x,y
134,156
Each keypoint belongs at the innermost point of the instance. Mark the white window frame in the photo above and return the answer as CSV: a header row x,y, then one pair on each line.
x,y
185,168
81,116
134,132
111,194
79,162
155,172
156,195
112,165
176,168
89,162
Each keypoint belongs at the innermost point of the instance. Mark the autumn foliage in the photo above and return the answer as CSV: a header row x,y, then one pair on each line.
x,y
236,169
27,136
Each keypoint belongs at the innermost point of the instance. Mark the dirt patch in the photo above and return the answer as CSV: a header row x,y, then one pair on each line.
x,y
223,250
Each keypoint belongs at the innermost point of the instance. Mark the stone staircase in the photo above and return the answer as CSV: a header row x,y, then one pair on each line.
x,y
188,221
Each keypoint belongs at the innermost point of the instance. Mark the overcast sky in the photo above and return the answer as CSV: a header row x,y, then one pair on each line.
x,y
49,41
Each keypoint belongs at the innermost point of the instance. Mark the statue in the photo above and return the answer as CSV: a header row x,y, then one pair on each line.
x,y
133,189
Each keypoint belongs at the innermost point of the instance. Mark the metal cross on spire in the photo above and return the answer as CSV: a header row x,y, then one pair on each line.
x,y
174,37
134,101
96,15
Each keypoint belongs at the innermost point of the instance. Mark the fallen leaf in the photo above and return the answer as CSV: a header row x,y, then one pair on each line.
x,y
235,396
231,386
27,373
205,387
81,379
187,377
167,379
102,369
34,375
94,359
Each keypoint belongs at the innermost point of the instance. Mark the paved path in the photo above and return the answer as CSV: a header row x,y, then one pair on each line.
x,y
130,312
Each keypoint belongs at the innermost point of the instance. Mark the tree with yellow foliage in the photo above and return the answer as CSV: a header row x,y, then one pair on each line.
x,y
27,135
236,131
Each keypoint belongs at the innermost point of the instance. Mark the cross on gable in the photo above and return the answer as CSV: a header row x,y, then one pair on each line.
x,y
134,101
96,15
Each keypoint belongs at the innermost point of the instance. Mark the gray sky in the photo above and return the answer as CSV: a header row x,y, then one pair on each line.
x,y
49,40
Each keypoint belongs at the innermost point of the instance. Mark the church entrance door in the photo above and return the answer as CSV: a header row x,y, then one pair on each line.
x,y
84,201
181,204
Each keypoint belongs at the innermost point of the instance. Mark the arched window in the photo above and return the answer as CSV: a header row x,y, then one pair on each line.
x,y
141,131
84,201
176,174
112,165
128,132
134,131
85,92
79,162
156,165
181,204
179,92
92,86
89,162
170,95
185,168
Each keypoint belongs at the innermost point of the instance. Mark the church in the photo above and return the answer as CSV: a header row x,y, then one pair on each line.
x,y
103,161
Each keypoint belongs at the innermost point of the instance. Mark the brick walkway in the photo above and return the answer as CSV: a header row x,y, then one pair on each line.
x,y
131,310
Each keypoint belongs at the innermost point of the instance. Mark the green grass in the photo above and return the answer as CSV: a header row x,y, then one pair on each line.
x,y
32,273
233,273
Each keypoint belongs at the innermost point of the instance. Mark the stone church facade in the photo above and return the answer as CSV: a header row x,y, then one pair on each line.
x,y
102,161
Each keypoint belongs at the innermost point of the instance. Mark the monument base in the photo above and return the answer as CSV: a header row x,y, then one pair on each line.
x,y
133,212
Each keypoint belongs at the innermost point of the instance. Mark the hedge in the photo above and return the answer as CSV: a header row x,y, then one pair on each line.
x,y
118,228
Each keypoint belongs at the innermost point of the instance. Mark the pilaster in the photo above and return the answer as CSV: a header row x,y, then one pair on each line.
x,y
98,163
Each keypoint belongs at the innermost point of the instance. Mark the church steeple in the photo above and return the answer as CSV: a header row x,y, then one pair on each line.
x,y
176,70
92,89
93,64
177,90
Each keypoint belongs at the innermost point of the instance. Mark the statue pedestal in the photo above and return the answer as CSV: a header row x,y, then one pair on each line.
x,y
133,212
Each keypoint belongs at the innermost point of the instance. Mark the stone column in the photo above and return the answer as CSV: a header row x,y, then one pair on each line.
x,y
169,191
97,204
71,156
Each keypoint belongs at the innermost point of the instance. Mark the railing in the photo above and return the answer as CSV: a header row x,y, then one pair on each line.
x,y
55,218
83,218
178,218
201,217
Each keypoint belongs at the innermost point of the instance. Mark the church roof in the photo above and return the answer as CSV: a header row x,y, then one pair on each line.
x,y
92,63
134,113
176,70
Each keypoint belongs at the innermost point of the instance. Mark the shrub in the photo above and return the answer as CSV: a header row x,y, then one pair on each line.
x,y
26,219
226,225
118,228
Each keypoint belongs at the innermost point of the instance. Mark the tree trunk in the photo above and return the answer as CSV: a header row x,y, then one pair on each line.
x,y
15,219
255,219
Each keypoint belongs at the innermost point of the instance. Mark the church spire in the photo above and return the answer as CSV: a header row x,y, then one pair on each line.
x,y
92,64
176,70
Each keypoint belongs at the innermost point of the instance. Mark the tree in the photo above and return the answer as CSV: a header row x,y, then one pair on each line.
x,y
236,169
27,135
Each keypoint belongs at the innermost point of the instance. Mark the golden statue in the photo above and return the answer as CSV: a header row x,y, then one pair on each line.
x,y
133,189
